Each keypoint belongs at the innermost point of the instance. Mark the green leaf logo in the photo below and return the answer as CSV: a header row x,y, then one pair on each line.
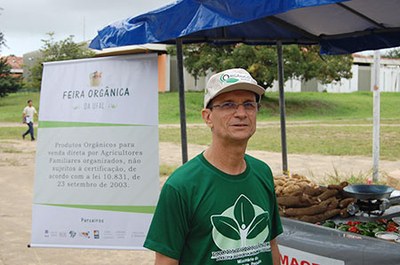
x,y
240,225
258,225
226,226
244,212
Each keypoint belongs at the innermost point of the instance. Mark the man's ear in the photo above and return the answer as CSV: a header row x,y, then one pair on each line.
x,y
206,114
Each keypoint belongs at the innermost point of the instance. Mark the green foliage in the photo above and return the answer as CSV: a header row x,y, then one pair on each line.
x,y
2,40
53,50
394,54
303,62
200,58
8,82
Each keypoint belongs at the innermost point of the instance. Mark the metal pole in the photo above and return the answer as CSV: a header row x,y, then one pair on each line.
x,y
376,113
179,54
282,108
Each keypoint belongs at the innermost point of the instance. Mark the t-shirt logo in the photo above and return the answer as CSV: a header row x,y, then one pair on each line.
x,y
241,226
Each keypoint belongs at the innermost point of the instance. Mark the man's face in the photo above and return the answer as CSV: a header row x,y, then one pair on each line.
x,y
236,124
30,103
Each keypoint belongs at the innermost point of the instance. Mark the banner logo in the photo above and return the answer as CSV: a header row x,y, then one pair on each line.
x,y
95,78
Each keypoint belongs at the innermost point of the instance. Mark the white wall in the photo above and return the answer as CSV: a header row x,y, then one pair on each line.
x,y
291,85
344,85
390,79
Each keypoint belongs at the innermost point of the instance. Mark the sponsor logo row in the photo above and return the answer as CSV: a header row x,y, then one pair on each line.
x,y
93,234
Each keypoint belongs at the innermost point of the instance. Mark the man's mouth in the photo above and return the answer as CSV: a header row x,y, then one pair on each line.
x,y
239,125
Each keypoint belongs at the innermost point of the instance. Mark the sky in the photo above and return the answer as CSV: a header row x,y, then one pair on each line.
x,y
25,23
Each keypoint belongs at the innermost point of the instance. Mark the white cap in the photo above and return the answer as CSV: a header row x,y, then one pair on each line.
x,y
231,80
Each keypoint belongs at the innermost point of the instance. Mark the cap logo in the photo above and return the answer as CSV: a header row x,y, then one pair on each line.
x,y
226,79
235,77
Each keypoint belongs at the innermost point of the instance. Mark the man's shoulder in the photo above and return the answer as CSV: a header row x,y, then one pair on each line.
x,y
258,165
255,161
187,172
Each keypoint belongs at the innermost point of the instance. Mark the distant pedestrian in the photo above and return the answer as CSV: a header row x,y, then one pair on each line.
x,y
28,118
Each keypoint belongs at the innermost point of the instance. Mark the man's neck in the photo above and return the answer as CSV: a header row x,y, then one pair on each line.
x,y
227,158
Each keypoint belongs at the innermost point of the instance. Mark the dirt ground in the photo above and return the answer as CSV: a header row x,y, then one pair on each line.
x,y
17,162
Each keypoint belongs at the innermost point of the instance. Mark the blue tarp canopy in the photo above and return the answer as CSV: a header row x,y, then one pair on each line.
x,y
338,26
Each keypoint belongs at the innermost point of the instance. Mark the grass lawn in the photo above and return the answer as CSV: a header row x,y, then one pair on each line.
x,y
336,124
304,106
324,140
11,107
13,133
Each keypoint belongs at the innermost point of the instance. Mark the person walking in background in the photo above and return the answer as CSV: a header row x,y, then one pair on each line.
x,y
28,118
220,207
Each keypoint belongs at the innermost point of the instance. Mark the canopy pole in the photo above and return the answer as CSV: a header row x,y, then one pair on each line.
x,y
376,115
282,108
179,54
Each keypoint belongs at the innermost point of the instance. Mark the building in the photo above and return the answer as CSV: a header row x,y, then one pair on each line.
x,y
361,80
16,64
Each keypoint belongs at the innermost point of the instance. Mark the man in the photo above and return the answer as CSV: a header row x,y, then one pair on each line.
x,y
28,115
220,207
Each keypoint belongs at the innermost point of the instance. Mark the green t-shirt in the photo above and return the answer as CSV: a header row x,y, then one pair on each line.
x,y
205,216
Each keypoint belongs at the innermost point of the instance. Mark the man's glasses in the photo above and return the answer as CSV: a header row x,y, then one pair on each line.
x,y
250,106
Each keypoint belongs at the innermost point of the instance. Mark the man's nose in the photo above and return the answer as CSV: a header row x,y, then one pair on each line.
x,y
240,111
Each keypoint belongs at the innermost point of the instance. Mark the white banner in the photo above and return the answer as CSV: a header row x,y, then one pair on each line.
x,y
97,176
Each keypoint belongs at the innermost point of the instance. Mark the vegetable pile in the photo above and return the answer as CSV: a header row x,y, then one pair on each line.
x,y
364,228
301,199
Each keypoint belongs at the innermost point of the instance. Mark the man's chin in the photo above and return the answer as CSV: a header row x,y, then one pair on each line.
x,y
241,136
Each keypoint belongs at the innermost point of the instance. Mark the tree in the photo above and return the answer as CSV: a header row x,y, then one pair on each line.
x,y
2,40
8,82
393,54
53,50
302,62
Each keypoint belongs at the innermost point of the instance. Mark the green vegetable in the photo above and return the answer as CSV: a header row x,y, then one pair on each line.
x,y
363,228
329,223
367,233
379,229
343,227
